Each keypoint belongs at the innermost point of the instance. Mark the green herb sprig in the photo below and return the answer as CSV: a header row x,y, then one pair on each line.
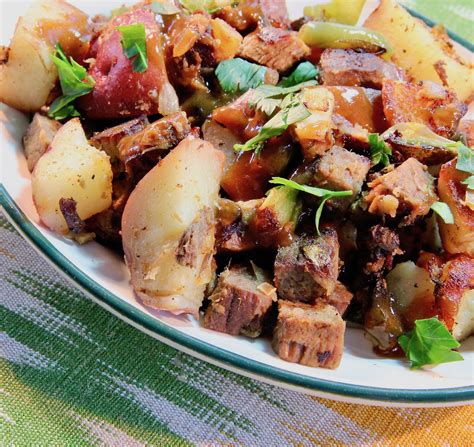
x,y
304,72
324,194
442,209
379,150
133,40
165,8
429,343
74,83
238,75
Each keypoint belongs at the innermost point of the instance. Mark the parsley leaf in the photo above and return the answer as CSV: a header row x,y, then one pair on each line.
x,y
379,150
469,182
74,83
134,45
429,343
305,71
325,194
465,161
293,113
164,8
238,75
442,209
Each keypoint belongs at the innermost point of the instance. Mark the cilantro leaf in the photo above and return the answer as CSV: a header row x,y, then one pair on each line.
x,y
134,45
164,8
442,209
465,160
275,126
238,75
379,150
469,182
305,71
325,194
429,343
74,83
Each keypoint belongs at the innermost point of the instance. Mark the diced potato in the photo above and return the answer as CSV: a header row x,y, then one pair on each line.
x,y
424,54
29,74
228,40
71,169
168,227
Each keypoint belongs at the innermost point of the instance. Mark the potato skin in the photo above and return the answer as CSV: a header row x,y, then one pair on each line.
x,y
71,169
457,237
29,74
120,92
169,262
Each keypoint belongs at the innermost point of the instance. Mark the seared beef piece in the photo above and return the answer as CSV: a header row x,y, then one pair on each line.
x,y
426,103
308,269
406,191
310,335
381,321
341,170
347,67
240,303
109,139
340,298
38,137
379,246
274,47
141,151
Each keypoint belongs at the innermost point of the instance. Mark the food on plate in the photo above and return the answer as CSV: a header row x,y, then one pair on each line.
x,y
271,178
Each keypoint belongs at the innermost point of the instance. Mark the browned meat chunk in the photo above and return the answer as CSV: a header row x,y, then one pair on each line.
x,y
38,137
341,170
274,47
240,303
109,139
308,269
310,335
406,191
77,227
346,67
141,151
197,42
340,298
426,103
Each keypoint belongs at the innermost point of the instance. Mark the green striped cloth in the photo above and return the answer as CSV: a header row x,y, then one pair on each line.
x,y
71,374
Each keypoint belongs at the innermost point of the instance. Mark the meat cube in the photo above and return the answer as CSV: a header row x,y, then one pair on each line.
x,y
341,170
426,103
308,269
346,67
274,47
240,303
309,335
340,298
408,191
141,151
38,137
109,139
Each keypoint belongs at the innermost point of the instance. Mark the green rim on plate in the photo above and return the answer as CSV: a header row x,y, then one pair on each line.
x,y
221,356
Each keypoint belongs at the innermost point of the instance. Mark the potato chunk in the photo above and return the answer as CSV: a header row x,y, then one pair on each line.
x,y
168,227
424,54
29,74
71,169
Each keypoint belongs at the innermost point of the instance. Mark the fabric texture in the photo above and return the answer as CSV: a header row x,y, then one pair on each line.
x,y
71,374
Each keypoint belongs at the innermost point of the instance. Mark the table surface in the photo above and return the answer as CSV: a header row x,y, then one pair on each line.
x,y
72,374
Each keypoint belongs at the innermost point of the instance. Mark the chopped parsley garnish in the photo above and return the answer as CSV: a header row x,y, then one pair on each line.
x,y
165,8
238,75
442,209
74,83
305,71
291,112
465,163
209,6
325,194
379,150
429,343
134,45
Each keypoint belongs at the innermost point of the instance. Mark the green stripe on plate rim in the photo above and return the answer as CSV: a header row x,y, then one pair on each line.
x,y
223,357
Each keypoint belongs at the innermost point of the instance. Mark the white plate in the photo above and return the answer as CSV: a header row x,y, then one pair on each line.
x,y
361,377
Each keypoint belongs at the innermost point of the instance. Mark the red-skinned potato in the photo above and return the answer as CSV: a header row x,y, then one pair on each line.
x,y
120,92
168,227
457,237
